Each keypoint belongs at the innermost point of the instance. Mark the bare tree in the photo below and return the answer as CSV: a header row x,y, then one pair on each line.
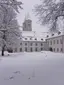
x,y
9,30
49,11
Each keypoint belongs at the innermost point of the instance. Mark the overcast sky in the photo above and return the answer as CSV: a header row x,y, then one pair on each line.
x,y
28,5
27,8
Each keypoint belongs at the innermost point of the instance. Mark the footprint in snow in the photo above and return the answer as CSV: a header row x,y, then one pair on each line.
x,y
29,78
11,77
17,72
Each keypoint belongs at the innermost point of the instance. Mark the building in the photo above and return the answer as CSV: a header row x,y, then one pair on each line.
x,y
30,45
56,42
28,41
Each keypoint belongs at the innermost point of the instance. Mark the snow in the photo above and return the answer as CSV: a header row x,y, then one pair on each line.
x,y
38,68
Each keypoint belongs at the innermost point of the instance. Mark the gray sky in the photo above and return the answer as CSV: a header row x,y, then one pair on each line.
x,y
27,8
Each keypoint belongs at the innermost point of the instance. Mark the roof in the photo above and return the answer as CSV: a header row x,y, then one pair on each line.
x,y
54,35
30,36
31,39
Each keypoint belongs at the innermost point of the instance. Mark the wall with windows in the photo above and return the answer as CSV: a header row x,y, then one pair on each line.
x,y
30,46
56,43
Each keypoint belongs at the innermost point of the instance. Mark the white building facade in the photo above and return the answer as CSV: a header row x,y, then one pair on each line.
x,y
56,43
32,45
29,43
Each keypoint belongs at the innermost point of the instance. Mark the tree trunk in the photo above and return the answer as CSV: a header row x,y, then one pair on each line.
x,y
3,47
3,50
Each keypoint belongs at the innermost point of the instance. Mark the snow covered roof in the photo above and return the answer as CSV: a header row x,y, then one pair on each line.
x,y
31,39
54,35
30,36
28,33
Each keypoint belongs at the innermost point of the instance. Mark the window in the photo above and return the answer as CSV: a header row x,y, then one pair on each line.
x,y
54,42
61,49
20,49
57,41
60,41
15,49
50,42
36,49
41,44
36,44
54,49
31,49
20,43
26,49
31,44
57,49
25,43
41,49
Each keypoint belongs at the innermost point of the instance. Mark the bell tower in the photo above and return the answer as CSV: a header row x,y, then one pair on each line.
x,y
27,24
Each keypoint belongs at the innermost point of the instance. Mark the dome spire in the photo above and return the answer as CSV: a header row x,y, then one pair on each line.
x,y
27,17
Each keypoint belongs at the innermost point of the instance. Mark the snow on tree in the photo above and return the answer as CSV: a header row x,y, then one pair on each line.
x,y
49,12
9,28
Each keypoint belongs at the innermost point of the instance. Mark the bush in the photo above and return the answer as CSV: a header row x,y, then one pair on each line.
x,y
10,50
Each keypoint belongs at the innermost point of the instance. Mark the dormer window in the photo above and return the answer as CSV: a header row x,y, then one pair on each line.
x,y
52,34
30,38
25,38
35,38
41,39
47,36
59,33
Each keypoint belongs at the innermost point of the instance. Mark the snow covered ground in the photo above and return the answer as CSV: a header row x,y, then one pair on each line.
x,y
42,68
